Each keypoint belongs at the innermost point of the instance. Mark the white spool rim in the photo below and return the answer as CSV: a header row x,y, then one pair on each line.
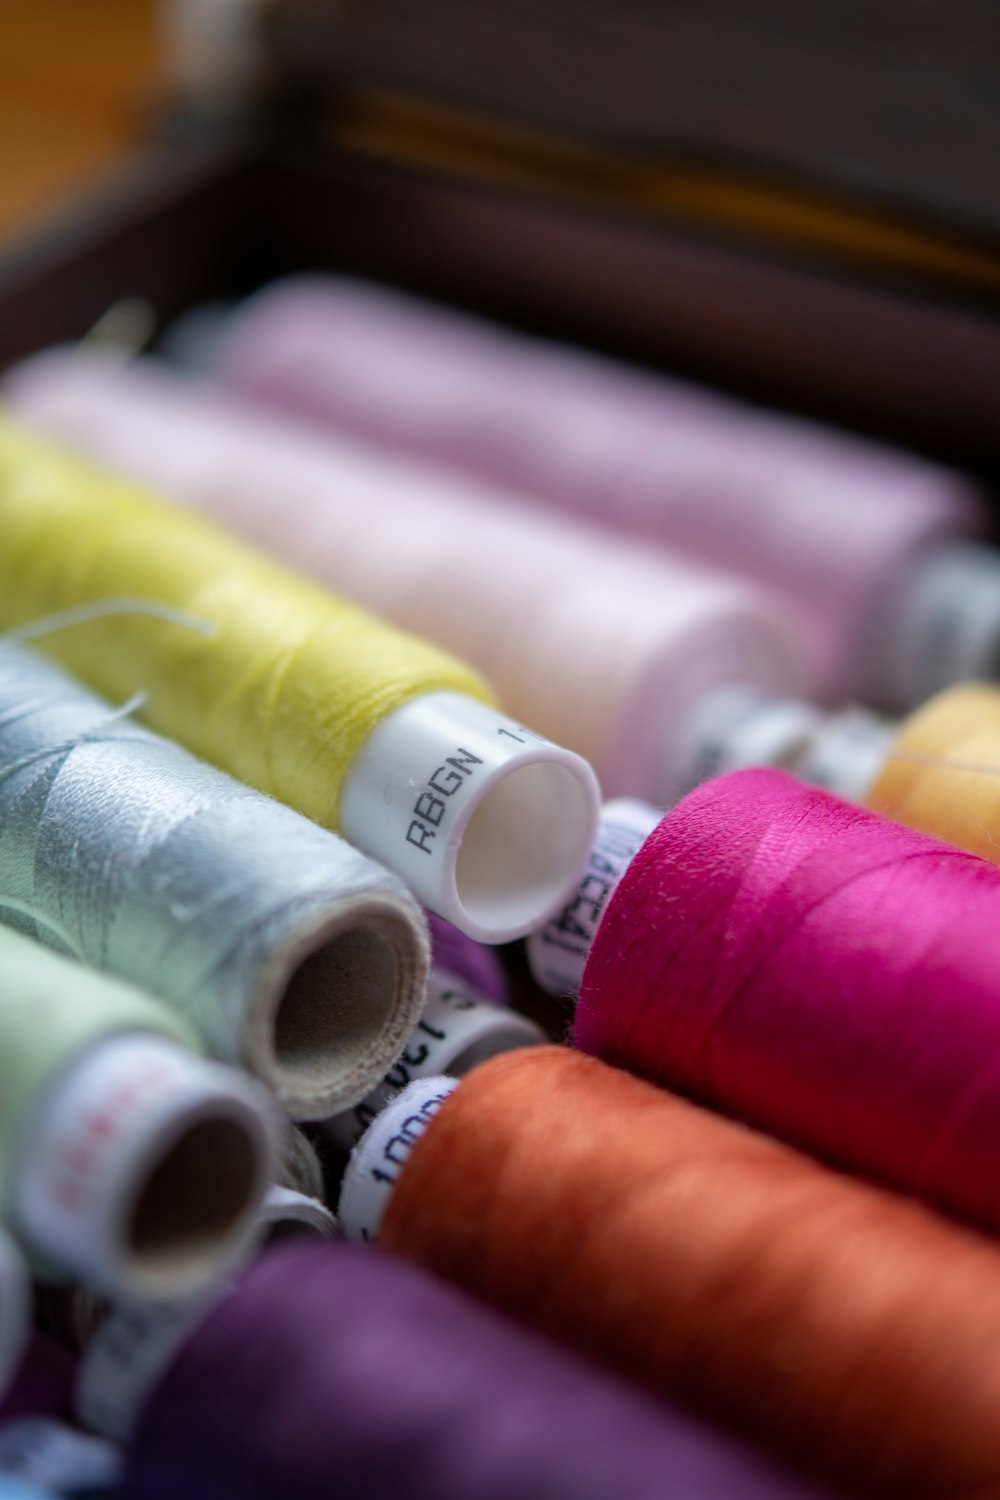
x,y
488,823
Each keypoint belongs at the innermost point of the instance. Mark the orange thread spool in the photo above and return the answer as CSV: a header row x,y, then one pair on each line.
x,y
855,1332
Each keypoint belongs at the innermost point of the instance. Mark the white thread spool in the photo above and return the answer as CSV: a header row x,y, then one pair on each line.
x,y
558,952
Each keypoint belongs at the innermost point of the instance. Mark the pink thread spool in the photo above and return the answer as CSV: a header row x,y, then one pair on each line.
x,y
864,542
818,971
588,640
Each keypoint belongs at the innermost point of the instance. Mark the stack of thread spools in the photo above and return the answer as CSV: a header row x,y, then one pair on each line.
x,y
720,1222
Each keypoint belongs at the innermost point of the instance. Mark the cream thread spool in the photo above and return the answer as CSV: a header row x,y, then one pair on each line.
x,y
591,640
301,694
127,1160
865,543
287,1214
291,953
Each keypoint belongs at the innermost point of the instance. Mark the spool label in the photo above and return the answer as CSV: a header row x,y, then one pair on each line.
x,y
455,1021
126,1357
558,952
379,1158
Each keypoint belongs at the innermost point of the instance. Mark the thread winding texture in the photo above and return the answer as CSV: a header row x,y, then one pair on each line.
x,y
829,521
819,971
285,690
943,772
51,1009
584,638
365,1377
856,1333
287,950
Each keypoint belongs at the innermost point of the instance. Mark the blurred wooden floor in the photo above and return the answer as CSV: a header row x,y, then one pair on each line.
x,y
77,78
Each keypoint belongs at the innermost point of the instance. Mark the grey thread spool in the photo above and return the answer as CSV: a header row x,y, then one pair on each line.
x,y
292,954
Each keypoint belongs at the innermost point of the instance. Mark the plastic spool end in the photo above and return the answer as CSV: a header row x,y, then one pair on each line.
x,y
488,823
941,625
381,1154
458,1029
337,1010
557,952
156,1164
289,1215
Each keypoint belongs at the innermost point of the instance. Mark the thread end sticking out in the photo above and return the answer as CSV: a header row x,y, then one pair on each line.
x,y
488,823
156,1164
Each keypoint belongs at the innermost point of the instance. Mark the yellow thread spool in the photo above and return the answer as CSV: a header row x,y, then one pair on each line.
x,y
942,774
291,686
283,694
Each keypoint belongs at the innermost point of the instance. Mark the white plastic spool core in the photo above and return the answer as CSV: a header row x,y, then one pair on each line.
x,y
142,1168
380,1156
287,1214
558,952
488,823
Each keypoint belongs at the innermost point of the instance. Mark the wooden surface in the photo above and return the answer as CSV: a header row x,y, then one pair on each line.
x,y
77,79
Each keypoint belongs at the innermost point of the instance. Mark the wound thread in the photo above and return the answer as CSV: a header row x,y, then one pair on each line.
x,y
942,771
833,524
291,953
395,1383
289,686
854,1333
585,638
817,970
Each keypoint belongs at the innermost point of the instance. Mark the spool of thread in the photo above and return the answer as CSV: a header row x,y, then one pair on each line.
x,y
558,952
942,771
855,1333
290,1215
299,694
472,963
583,637
125,1159
818,971
365,1374
457,1030
300,1167
865,543
290,953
